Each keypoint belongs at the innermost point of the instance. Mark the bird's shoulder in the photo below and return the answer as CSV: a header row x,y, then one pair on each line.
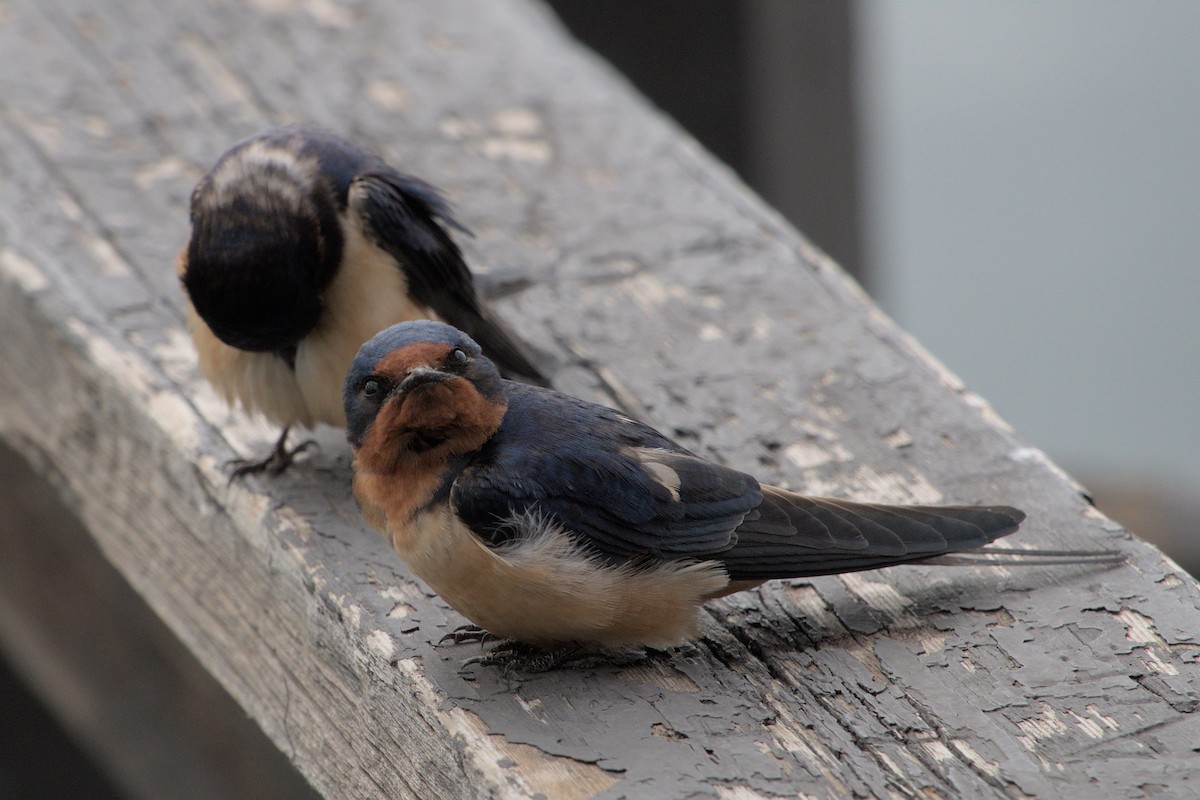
x,y
618,484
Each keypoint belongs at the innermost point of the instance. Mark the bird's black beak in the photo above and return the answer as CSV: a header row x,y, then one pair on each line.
x,y
421,376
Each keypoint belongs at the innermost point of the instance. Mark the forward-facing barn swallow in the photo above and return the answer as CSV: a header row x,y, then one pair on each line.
x,y
550,520
303,246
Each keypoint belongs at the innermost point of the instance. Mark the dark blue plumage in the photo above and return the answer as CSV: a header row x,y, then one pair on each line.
x,y
626,493
303,246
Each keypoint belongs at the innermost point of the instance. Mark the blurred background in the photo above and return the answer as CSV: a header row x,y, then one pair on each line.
x,y
1017,184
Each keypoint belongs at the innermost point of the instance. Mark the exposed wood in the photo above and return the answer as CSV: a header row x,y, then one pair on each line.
x,y
659,282
120,681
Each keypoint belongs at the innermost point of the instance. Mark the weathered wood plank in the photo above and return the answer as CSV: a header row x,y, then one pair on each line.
x,y
660,282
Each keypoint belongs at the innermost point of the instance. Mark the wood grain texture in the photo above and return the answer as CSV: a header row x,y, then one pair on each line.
x,y
660,284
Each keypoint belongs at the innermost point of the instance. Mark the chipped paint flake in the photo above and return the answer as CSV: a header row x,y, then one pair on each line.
x,y
457,128
106,257
388,95
380,643
517,121
218,76
535,708
166,169
177,419
23,271
1046,725
529,151
898,488
1110,722
1153,662
964,748
330,14
807,454
741,793
1139,628
938,750
520,770
898,439
806,599
661,675
882,597
651,293
1090,727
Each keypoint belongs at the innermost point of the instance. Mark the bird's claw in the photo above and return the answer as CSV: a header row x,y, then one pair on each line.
x,y
468,633
514,657
278,460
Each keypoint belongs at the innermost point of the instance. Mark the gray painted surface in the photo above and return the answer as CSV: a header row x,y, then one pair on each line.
x,y
660,283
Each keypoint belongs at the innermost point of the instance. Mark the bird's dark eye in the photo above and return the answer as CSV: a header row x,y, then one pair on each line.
x,y
459,357
372,387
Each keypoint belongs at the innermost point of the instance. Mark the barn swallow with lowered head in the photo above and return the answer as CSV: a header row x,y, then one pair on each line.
x,y
303,246
556,522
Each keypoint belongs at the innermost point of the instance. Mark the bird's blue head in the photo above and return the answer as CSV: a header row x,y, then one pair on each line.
x,y
420,388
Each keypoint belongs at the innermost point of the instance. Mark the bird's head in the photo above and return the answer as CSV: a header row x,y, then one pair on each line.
x,y
265,243
420,389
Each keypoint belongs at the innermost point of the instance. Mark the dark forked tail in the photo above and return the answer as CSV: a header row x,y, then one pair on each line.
x,y
795,536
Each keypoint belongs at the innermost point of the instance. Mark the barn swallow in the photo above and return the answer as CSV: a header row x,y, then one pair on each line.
x,y
303,246
552,521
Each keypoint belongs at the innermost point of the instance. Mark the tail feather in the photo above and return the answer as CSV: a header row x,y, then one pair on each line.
x,y
794,536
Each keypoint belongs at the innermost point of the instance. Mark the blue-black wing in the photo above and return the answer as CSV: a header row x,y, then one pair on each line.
x,y
409,219
619,487
626,491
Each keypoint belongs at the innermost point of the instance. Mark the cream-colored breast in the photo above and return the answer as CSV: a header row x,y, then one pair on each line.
x,y
545,590
261,383
367,295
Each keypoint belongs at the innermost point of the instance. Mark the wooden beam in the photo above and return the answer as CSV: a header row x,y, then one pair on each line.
x,y
658,281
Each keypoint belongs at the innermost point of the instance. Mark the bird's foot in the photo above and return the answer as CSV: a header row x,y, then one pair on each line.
x,y
468,633
514,657
278,460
